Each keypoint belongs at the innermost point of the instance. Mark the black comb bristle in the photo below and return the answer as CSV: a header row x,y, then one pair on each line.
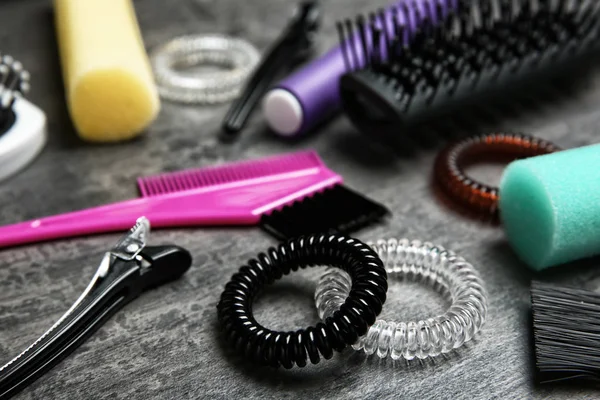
x,y
375,55
484,53
336,209
566,330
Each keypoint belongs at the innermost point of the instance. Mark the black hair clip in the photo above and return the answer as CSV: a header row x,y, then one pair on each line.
x,y
126,271
295,45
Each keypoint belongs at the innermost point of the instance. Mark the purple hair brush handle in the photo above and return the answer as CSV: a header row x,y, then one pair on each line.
x,y
310,95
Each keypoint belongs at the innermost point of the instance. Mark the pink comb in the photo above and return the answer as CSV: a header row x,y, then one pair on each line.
x,y
232,194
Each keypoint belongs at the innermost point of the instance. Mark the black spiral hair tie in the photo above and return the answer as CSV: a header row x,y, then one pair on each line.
x,y
266,347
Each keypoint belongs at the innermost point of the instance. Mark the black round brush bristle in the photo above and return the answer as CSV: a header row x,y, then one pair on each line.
x,y
566,330
486,52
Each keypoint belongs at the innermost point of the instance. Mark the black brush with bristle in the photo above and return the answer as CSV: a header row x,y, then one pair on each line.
x,y
566,330
487,52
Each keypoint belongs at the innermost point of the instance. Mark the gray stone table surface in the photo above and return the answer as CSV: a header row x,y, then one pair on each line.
x,y
166,343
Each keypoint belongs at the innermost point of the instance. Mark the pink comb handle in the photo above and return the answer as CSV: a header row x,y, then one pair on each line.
x,y
229,203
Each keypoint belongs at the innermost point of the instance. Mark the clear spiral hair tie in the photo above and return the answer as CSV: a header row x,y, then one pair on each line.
x,y
450,275
236,58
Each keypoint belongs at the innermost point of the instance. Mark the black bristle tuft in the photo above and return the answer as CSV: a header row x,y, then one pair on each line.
x,y
337,209
486,52
398,25
566,329
375,44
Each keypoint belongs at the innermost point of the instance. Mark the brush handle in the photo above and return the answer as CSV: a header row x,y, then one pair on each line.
x,y
162,211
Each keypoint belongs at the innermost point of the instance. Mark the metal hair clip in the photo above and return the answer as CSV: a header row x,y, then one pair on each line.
x,y
128,269
296,44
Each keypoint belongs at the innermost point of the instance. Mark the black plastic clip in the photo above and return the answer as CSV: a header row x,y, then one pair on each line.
x,y
295,45
126,271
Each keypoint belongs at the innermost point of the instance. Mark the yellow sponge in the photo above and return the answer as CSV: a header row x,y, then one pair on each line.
x,y
109,85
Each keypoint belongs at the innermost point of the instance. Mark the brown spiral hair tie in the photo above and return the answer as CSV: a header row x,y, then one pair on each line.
x,y
477,197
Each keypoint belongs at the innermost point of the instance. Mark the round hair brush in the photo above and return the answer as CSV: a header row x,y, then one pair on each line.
x,y
487,52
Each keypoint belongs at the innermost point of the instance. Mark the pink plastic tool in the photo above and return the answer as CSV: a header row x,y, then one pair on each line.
x,y
232,194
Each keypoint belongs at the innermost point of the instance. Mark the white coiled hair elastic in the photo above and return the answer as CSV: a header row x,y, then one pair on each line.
x,y
236,57
453,277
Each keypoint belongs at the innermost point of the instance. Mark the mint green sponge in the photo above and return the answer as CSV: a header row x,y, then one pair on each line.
x,y
550,206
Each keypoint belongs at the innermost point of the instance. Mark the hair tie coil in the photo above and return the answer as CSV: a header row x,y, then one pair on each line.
x,y
477,197
453,277
342,328
237,57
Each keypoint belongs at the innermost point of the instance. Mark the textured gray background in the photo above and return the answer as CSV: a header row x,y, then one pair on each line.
x,y
165,344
